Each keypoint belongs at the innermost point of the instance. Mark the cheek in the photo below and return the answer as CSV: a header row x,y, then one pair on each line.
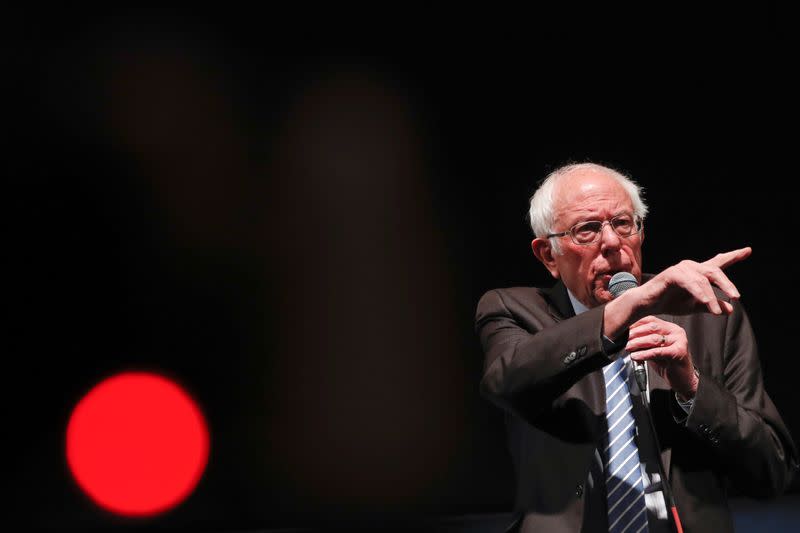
x,y
636,252
637,260
577,266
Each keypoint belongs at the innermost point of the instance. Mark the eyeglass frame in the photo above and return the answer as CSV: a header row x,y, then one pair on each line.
x,y
637,220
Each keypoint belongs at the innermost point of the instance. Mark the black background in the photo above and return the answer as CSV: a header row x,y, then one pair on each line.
x,y
294,214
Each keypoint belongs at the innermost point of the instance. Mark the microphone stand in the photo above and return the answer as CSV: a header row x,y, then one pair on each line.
x,y
641,381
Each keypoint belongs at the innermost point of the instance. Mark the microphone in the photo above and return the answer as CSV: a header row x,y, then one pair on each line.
x,y
621,282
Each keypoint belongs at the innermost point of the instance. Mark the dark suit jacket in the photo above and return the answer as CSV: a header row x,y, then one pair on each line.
x,y
542,366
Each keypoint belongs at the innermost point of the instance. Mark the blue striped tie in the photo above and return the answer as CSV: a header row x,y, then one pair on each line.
x,y
624,488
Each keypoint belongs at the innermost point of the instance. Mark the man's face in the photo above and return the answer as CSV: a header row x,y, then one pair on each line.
x,y
583,195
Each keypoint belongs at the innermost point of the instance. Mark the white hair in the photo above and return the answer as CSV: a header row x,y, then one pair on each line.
x,y
541,209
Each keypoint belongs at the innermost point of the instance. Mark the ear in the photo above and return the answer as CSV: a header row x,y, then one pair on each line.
x,y
543,251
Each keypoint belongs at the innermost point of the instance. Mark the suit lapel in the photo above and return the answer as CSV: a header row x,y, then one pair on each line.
x,y
559,306
592,388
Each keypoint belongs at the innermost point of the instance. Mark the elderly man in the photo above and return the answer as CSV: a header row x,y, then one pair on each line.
x,y
558,361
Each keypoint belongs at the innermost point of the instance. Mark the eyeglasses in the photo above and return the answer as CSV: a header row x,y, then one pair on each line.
x,y
589,232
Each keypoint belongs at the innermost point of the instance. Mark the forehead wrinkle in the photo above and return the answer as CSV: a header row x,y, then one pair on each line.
x,y
588,197
573,215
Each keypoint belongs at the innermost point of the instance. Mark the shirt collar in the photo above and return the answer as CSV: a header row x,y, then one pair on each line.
x,y
577,306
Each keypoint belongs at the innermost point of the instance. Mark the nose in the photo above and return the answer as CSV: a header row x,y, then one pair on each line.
x,y
609,240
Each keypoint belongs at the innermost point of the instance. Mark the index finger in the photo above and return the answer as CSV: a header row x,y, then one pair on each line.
x,y
645,320
726,259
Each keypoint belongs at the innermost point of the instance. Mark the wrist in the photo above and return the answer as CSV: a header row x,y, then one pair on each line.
x,y
691,392
621,312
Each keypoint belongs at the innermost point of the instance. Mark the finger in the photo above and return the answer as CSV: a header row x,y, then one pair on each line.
x,y
664,354
707,300
726,259
646,320
644,330
700,288
648,355
653,340
710,298
719,279
650,325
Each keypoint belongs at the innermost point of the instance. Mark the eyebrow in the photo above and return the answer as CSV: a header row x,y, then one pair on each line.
x,y
590,218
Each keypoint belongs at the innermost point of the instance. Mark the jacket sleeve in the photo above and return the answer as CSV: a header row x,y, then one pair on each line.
x,y
531,359
734,415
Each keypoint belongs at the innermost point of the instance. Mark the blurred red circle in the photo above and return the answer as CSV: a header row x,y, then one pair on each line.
x,y
137,444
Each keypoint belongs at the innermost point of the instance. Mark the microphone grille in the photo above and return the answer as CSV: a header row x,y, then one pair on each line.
x,y
621,282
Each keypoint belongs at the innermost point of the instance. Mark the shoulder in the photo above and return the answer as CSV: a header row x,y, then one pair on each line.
x,y
511,301
510,296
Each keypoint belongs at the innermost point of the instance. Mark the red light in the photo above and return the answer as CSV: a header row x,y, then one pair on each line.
x,y
137,444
